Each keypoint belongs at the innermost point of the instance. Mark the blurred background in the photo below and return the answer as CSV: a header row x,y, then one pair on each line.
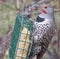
x,y
8,11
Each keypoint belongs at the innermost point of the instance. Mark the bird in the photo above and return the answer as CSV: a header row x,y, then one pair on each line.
x,y
43,32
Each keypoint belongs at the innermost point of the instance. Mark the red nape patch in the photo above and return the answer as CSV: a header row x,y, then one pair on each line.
x,y
44,11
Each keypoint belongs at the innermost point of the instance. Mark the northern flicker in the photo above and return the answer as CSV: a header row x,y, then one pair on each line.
x,y
43,31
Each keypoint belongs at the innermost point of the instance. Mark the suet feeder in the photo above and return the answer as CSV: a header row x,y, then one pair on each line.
x,y
21,44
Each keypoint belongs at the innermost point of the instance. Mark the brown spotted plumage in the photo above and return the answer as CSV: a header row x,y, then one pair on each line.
x,y
43,32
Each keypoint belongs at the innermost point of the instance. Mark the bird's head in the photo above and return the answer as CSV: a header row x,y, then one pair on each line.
x,y
47,9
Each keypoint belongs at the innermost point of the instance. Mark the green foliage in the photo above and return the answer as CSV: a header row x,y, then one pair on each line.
x,y
7,17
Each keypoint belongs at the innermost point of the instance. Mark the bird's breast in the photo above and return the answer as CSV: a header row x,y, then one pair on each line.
x,y
40,19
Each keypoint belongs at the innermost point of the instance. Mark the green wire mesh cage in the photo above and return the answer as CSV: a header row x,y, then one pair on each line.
x,y
20,41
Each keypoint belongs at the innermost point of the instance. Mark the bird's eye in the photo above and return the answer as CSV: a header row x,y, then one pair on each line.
x,y
45,7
